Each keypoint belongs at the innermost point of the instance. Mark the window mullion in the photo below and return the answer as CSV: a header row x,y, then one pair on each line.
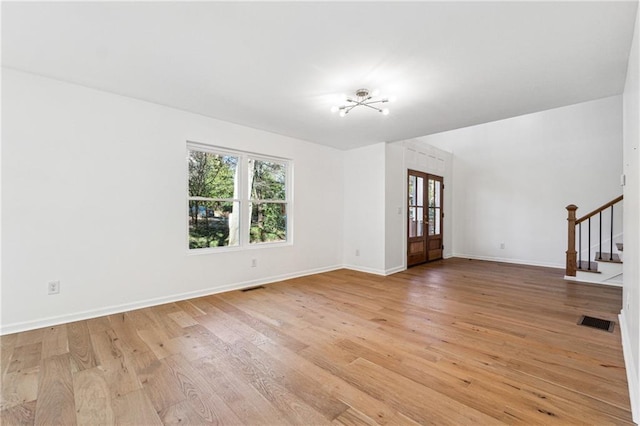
x,y
245,206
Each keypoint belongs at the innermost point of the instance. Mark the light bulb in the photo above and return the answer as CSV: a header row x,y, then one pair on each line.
x,y
385,111
334,109
342,113
392,99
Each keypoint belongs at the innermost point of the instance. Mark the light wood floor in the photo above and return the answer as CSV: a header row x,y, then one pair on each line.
x,y
453,342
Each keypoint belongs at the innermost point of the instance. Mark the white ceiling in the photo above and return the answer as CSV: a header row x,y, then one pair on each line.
x,y
280,66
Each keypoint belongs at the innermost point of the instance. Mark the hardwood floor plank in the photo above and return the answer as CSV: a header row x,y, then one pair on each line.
x,y
23,414
126,337
30,337
99,324
7,345
260,375
190,308
135,409
156,341
182,318
80,346
352,417
55,341
56,403
19,388
422,404
266,329
159,384
25,357
92,398
105,346
450,342
245,401
120,376
335,386
200,395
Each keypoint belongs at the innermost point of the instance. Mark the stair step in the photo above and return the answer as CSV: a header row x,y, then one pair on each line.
x,y
620,246
608,257
585,266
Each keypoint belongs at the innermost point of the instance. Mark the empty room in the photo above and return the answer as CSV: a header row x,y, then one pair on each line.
x,y
309,213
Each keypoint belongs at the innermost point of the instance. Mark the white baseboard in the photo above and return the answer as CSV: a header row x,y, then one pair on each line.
x,y
383,272
109,310
632,378
366,269
509,260
395,270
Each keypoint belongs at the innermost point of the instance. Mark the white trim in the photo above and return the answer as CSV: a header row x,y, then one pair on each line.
x,y
632,378
508,260
395,270
365,269
588,281
109,310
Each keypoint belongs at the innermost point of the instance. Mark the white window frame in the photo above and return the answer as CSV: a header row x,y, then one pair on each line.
x,y
244,197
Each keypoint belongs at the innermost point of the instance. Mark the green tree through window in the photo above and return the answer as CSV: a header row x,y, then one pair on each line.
x,y
221,214
213,203
268,201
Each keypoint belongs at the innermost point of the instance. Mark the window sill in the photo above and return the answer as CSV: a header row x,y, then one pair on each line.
x,y
218,250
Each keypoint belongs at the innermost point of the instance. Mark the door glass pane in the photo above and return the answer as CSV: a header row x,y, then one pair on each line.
x,y
420,219
438,215
412,222
420,192
432,214
437,193
412,190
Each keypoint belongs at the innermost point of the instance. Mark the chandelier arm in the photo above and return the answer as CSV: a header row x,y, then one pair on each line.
x,y
377,102
372,107
358,102
349,108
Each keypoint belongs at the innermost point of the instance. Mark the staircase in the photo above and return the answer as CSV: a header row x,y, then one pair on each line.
x,y
596,260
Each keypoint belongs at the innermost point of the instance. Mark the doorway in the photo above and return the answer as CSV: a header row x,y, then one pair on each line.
x,y
424,218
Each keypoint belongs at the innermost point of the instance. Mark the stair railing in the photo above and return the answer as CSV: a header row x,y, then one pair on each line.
x,y
574,258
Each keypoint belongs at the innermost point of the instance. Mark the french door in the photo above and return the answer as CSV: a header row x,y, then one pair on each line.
x,y
424,218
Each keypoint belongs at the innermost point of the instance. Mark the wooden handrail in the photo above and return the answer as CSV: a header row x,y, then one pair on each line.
x,y
572,258
599,209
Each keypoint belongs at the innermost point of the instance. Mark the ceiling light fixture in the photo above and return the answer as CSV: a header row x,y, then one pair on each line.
x,y
363,98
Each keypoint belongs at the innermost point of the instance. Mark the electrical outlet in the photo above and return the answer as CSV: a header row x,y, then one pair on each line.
x,y
357,252
254,263
502,246
53,287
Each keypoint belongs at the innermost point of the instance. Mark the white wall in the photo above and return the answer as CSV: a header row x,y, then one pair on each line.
x,y
630,317
395,208
364,208
94,195
513,178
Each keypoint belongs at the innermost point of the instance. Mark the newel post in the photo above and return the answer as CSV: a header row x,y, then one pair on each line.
x,y
572,260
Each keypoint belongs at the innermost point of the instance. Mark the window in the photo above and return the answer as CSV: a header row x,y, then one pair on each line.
x,y
236,199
